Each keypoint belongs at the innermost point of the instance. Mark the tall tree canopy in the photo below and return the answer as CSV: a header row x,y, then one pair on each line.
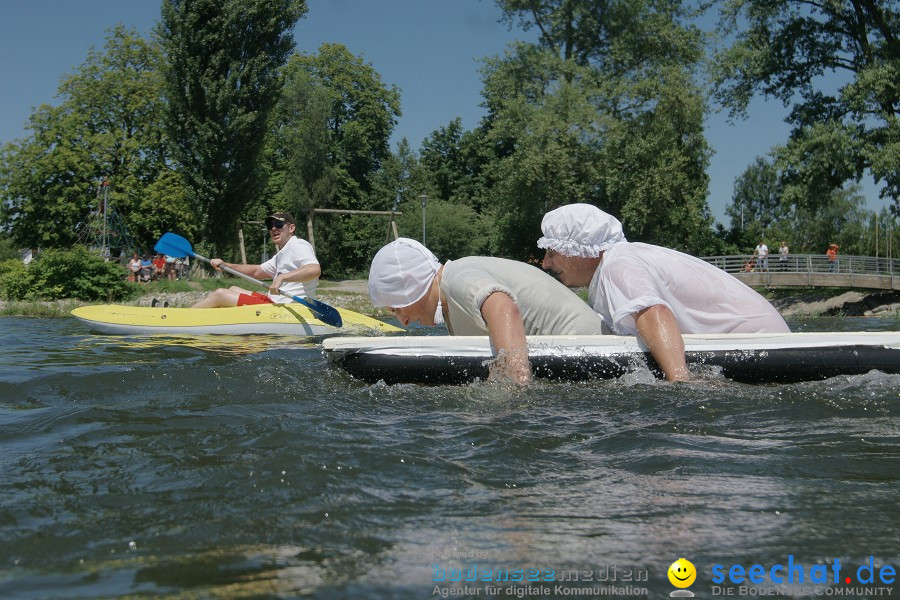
x,y
602,109
783,48
107,125
455,163
222,81
330,137
332,128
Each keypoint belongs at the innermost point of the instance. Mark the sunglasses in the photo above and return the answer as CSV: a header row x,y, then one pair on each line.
x,y
275,224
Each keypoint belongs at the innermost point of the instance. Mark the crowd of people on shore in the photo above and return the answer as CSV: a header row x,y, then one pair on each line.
x,y
144,269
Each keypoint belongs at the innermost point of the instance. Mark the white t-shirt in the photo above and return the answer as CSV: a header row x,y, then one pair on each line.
x,y
704,299
295,254
547,306
762,250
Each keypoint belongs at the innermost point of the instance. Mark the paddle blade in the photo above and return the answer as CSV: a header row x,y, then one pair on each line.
x,y
325,313
174,245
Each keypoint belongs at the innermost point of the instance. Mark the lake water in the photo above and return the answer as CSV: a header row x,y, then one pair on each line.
x,y
250,468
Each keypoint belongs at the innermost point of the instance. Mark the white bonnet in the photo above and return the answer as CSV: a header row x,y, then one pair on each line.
x,y
401,273
580,230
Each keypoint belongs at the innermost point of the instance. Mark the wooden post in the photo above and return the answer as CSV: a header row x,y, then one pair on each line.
x,y
241,244
309,229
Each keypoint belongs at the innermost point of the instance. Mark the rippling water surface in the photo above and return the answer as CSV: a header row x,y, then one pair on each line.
x,y
248,467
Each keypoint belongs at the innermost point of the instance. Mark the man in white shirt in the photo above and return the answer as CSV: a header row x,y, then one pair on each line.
x,y
649,291
762,253
294,269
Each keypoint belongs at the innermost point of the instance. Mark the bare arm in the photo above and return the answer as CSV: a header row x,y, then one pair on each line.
x,y
252,270
507,332
302,275
658,328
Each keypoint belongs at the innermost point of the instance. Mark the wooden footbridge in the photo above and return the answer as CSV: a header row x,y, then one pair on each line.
x,y
812,270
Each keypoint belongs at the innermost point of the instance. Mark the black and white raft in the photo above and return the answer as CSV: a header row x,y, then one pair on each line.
x,y
750,358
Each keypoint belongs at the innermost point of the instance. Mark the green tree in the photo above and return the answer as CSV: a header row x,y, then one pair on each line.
x,y
221,82
839,218
329,141
333,127
7,249
604,110
455,163
64,273
108,124
452,230
785,49
756,204
769,214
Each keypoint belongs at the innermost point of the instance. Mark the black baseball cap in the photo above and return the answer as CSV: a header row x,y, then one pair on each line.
x,y
279,218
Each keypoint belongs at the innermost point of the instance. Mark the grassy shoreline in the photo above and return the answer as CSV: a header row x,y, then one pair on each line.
x,y
184,294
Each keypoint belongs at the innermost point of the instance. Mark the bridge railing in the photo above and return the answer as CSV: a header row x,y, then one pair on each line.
x,y
812,270
807,263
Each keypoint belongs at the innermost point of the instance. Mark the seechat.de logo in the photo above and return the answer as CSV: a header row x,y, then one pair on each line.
x,y
682,574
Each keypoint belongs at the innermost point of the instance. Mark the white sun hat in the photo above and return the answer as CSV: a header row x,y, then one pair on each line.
x,y
401,273
580,230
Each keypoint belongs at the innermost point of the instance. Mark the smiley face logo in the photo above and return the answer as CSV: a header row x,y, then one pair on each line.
x,y
682,573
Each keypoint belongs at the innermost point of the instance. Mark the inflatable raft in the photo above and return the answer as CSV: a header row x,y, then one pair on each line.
x,y
282,319
752,358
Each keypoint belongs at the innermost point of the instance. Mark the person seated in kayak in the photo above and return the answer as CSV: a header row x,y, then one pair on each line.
x,y
294,269
478,295
653,292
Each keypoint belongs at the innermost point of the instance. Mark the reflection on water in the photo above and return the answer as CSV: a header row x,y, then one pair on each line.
x,y
219,344
239,467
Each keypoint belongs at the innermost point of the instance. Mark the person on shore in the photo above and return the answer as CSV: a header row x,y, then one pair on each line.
x,y
762,256
170,267
134,268
159,266
294,268
146,272
478,295
832,254
653,292
783,258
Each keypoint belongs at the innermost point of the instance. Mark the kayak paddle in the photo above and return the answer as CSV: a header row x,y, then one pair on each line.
x,y
175,245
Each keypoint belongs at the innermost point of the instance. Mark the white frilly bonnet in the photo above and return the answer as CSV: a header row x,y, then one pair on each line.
x,y
581,230
401,273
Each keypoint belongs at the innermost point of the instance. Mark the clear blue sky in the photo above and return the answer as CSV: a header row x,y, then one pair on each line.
x,y
430,49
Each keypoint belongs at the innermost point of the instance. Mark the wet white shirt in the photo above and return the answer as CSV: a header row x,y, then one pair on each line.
x,y
703,298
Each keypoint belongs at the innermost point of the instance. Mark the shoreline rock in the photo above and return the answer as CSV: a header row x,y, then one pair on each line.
x,y
850,304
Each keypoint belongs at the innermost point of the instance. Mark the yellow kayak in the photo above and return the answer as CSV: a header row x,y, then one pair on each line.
x,y
281,319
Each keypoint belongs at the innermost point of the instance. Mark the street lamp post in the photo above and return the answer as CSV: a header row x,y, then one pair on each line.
x,y
424,199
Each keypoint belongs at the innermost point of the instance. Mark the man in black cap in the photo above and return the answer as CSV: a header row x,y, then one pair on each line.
x,y
294,268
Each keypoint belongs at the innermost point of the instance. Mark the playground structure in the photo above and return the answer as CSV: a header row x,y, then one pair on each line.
x,y
105,231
